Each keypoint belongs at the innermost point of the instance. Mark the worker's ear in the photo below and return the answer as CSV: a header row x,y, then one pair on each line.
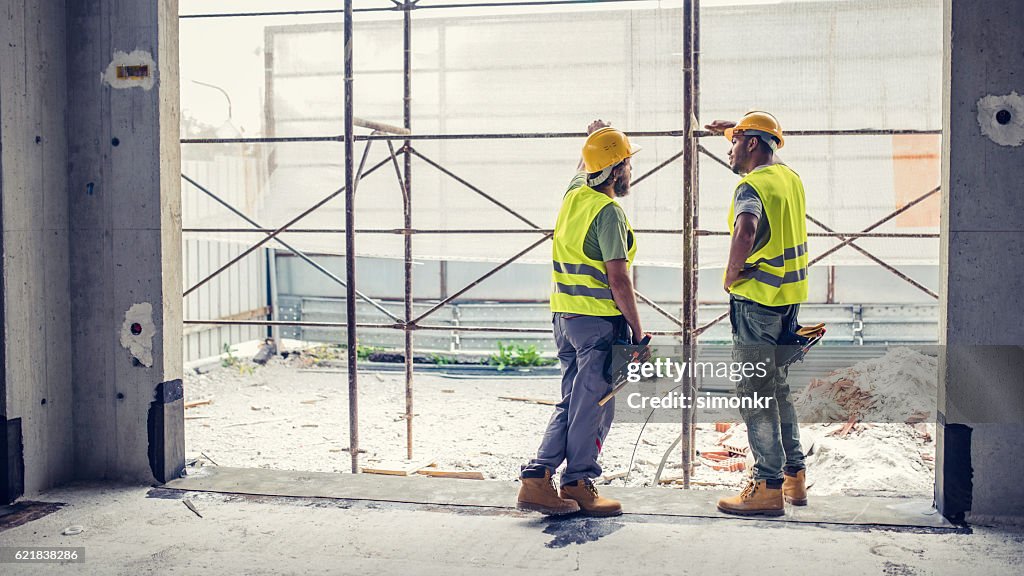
x,y
619,171
752,143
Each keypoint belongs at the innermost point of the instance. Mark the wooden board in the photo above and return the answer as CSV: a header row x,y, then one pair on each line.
x,y
465,475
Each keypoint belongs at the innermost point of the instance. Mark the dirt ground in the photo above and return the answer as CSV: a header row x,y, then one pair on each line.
x,y
289,416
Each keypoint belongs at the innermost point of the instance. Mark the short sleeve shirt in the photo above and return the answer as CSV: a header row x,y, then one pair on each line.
x,y
748,202
609,237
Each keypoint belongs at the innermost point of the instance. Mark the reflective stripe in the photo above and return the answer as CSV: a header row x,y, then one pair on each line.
x,y
796,252
775,282
584,269
780,261
574,290
777,262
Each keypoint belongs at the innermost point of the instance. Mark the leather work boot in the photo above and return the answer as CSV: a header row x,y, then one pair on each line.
x,y
591,503
794,488
756,498
537,494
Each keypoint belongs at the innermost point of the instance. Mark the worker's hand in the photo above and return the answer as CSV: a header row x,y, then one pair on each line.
x,y
734,277
597,125
719,126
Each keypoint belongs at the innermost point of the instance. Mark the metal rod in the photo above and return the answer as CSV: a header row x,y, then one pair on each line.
x,y
672,159
852,132
529,231
529,135
689,284
890,216
273,234
473,284
654,305
350,249
293,249
875,259
458,179
407,212
697,332
397,326
695,65
397,7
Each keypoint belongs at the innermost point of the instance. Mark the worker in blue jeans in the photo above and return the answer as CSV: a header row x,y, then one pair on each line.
x,y
766,279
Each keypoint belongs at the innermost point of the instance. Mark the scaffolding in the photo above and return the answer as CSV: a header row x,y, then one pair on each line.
x,y
687,331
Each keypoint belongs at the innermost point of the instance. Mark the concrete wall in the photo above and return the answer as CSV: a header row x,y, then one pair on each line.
x,y
90,203
124,193
981,392
33,200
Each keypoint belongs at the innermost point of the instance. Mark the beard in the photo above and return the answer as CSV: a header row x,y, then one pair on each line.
x,y
621,188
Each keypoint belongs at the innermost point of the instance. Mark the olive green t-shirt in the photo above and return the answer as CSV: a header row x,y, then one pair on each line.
x,y
609,237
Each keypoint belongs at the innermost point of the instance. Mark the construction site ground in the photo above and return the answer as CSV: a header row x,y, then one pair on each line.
x,y
140,530
293,415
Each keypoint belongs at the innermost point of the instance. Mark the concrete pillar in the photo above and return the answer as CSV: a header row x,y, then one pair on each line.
x,y
981,391
125,233
90,385
36,400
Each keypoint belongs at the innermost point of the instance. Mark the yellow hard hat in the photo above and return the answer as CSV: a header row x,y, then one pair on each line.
x,y
606,147
760,122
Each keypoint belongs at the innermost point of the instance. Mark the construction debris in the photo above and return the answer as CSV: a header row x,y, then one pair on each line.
x,y
543,401
898,387
465,475
198,403
268,349
404,468
192,507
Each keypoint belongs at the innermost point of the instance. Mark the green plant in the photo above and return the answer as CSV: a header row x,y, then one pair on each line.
x,y
363,352
441,359
232,361
518,355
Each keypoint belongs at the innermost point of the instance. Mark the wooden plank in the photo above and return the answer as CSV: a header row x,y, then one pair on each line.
x,y
543,401
198,403
404,468
466,475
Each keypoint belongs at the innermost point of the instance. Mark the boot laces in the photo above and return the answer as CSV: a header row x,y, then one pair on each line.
x,y
749,490
591,488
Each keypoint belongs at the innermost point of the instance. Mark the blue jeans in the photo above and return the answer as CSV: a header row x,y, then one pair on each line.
x,y
773,432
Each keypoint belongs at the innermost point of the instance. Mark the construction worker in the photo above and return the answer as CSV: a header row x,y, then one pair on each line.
x,y
766,279
593,308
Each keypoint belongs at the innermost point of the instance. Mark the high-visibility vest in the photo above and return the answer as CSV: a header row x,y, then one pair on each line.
x,y
779,277
579,285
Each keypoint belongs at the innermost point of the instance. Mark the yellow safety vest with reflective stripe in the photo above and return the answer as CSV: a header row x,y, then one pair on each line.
x,y
579,285
779,275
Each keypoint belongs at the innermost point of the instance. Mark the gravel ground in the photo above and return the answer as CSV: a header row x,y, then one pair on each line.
x,y
292,415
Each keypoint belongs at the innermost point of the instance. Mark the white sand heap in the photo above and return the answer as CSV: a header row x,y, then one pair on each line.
x,y
898,387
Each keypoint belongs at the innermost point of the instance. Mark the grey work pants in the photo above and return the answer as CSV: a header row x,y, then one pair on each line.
x,y
773,432
578,427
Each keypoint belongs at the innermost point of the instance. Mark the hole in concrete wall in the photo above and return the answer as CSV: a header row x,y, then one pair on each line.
x,y
136,328
1004,117
115,142
138,72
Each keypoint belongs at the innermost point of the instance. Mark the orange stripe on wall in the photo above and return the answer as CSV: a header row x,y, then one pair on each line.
x,y
917,168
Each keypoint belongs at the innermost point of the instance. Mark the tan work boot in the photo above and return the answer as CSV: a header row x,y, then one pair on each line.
x,y
591,503
537,494
756,498
794,488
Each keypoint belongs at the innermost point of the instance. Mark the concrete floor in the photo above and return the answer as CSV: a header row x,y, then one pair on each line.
x,y
136,530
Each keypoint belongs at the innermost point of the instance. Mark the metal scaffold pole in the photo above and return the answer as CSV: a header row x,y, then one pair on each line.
x,y
689,283
407,208
350,246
